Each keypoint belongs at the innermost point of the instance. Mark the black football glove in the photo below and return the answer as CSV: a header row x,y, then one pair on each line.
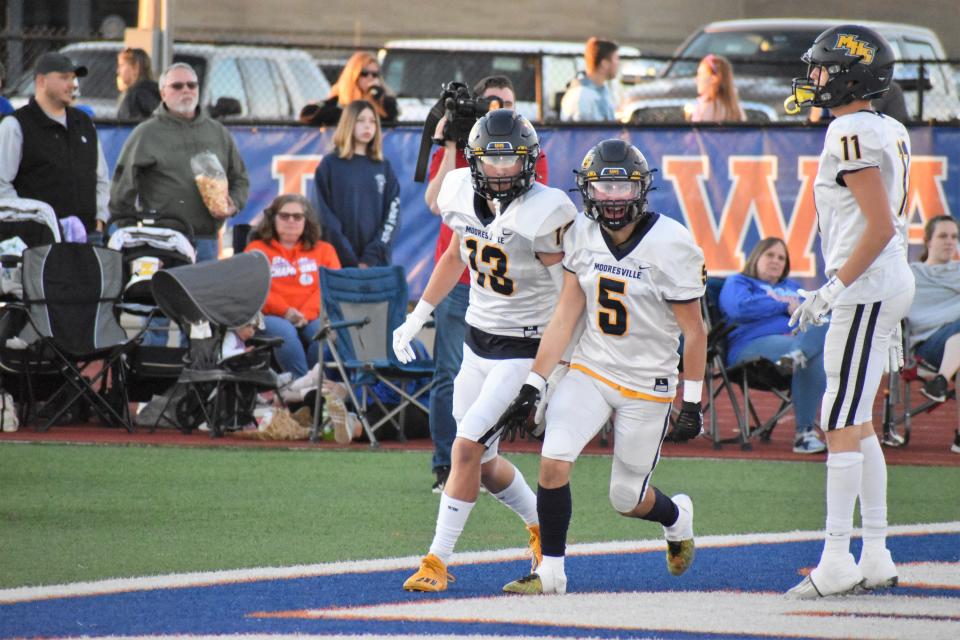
x,y
517,419
689,423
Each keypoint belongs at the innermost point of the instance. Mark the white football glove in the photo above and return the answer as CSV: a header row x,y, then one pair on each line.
x,y
405,333
816,304
558,372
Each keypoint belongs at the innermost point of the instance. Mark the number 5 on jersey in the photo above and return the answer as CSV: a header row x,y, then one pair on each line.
x,y
493,256
612,314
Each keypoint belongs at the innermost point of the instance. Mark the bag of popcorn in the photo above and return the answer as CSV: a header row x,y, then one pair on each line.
x,y
211,181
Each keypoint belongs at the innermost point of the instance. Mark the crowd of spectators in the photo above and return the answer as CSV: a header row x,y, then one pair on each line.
x,y
49,150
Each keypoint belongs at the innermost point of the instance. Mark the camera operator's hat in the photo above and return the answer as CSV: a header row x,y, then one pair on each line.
x,y
55,62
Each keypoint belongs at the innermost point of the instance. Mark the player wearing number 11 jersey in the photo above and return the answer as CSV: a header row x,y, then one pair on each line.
x,y
860,193
509,230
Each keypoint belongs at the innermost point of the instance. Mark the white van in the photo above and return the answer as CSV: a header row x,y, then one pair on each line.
x,y
540,71
269,83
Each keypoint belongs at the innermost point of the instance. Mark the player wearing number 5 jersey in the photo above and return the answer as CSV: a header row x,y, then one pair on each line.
x,y
860,193
639,277
509,230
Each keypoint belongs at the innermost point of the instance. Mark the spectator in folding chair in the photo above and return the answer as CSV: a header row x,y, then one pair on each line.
x,y
289,236
935,314
760,301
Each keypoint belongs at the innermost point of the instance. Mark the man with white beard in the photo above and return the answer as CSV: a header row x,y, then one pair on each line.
x,y
154,174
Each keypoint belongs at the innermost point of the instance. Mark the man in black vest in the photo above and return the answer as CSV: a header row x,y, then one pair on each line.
x,y
49,151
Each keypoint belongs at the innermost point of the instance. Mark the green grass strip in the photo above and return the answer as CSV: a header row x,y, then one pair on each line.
x,y
71,513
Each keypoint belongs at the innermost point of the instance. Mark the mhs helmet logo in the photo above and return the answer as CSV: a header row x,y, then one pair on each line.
x,y
856,47
499,146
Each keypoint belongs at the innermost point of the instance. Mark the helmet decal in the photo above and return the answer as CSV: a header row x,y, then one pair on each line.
x,y
855,47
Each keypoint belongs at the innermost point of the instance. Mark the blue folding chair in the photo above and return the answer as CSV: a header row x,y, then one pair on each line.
x,y
362,307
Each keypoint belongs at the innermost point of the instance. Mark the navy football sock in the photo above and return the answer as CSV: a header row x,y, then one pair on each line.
x,y
664,510
554,508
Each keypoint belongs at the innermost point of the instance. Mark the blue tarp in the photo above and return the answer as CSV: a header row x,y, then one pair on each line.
x,y
730,186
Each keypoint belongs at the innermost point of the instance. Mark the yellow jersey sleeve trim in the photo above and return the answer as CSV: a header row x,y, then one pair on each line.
x,y
624,391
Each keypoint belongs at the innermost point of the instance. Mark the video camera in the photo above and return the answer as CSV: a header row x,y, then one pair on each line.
x,y
462,109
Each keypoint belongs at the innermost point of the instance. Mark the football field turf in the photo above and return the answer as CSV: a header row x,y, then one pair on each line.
x,y
79,513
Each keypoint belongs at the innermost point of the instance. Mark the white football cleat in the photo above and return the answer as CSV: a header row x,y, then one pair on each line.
x,y
878,570
833,578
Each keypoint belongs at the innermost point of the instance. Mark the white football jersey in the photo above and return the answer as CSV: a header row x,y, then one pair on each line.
x,y
631,336
511,292
854,142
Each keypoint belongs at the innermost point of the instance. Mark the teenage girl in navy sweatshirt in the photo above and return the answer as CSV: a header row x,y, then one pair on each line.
x,y
358,195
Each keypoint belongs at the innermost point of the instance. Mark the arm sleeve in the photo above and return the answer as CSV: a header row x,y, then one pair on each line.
x,y
103,186
377,252
741,302
682,275
328,256
332,229
239,183
329,113
390,106
11,152
275,304
123,187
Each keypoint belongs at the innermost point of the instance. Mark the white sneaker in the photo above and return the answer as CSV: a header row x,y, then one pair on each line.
x,y
878,570
832,578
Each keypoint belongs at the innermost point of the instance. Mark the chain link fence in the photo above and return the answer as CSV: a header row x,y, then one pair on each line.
x,y
272,83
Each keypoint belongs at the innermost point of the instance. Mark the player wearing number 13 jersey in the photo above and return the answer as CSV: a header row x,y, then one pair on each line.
x,y
860,193
509,231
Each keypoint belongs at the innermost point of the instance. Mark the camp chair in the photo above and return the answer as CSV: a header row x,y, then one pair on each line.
x,y
366,305
70,298
753,375
898,408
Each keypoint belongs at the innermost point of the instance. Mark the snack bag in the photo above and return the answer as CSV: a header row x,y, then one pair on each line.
x,y
211,181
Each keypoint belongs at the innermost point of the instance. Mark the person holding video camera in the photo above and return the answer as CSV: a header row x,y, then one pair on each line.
x,y
359,80
449,314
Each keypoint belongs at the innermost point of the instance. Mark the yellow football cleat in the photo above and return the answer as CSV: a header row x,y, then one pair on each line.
x,y
530,585
679,556
536,555
432,576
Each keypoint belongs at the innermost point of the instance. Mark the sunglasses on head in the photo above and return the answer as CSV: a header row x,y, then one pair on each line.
x,y
291,217
369,74
178,86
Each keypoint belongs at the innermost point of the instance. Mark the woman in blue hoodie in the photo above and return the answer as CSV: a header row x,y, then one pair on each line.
x,y
760,301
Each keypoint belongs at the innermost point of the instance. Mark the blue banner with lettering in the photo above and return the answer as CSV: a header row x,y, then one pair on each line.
x,y
729,186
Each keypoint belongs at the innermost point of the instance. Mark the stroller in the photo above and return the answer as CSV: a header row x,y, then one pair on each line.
x,y
147,245
211,298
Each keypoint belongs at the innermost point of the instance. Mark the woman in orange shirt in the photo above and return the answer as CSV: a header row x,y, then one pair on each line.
x,y
289,236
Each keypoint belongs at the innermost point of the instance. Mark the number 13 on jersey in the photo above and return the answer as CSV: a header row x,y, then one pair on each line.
x,y
493,256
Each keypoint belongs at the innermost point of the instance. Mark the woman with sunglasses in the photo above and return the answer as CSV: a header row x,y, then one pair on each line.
x,y
717,99
357,193
359,80
289,236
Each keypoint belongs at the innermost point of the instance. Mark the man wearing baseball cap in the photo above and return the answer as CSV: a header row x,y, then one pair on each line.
x,y
49,150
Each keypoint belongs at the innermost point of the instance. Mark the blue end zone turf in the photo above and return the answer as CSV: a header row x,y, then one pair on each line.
x,y
284,606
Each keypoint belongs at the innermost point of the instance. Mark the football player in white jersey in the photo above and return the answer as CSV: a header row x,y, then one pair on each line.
x,y
860,193
639,276
509,230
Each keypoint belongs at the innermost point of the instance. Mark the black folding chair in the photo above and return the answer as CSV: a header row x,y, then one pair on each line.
x,y
70,298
